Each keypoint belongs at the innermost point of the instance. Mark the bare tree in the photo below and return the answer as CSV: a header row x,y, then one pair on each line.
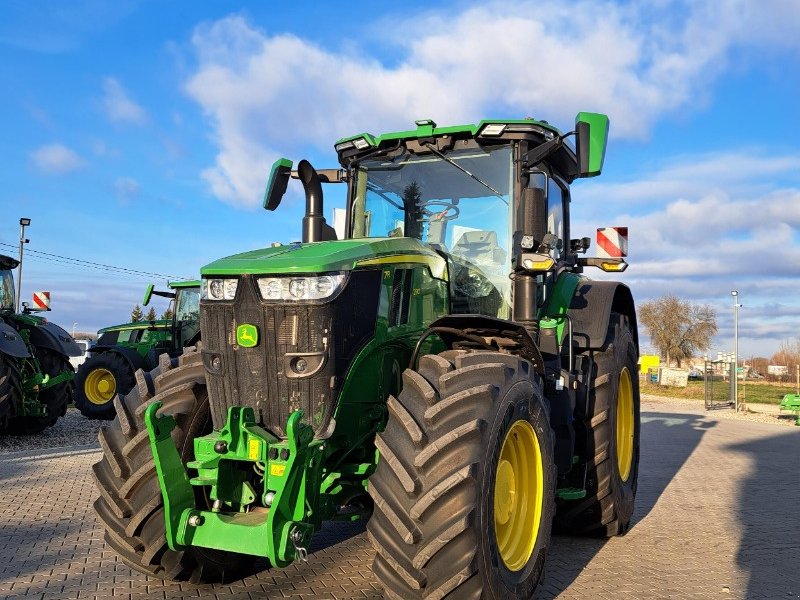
x,y
677,327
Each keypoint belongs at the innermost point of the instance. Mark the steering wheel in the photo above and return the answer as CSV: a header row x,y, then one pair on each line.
x,y
450,211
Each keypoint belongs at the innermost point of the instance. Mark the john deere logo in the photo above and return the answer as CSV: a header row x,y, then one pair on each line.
x,y
246,335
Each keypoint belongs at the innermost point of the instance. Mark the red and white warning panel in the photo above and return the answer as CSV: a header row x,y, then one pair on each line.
x,y
612,242
41,300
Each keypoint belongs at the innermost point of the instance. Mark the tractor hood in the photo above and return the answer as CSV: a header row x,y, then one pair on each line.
x,y
326,257
159,324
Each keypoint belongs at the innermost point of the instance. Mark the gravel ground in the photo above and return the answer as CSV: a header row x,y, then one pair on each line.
x,y
73,429
761,413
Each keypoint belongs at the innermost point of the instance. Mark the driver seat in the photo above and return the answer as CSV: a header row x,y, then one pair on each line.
x,y
480,247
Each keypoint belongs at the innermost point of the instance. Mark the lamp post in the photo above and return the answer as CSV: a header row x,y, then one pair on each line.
x,y
736,306
73,330
23,223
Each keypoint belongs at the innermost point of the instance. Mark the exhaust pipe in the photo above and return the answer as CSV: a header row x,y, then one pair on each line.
x,y
315,229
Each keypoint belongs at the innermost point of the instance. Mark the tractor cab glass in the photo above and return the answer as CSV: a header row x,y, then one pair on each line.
x,y
6,290
458,201
187,313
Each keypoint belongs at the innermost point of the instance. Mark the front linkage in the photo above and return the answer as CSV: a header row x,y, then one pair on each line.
x,y
35,381
275,521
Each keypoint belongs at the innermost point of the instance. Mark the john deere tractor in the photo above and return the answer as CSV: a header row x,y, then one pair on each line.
x,y
122,349
35,373
445,371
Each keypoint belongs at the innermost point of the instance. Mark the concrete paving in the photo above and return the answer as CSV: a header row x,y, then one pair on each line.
x,y
717,516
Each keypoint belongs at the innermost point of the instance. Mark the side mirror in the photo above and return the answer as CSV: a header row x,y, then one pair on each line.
x,y
278,180
591,134
148,293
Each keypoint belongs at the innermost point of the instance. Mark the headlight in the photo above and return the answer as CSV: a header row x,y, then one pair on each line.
x,y
219,289
300,288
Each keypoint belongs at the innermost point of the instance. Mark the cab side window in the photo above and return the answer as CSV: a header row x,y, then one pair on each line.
x,y
555,217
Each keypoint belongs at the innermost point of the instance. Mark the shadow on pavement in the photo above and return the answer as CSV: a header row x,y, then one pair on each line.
x,y
667,441
768,509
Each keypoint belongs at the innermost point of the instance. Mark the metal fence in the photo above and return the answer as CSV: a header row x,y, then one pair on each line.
x,y
719,384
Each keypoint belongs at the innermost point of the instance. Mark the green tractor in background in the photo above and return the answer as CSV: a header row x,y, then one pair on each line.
x,y
123,349
35,373
445,371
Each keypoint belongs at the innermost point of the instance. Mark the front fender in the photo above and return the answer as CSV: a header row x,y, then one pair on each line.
x,y
11,343
132,357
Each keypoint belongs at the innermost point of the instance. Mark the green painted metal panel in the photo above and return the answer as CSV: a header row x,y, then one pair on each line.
x,y
319,257
427,131
561,298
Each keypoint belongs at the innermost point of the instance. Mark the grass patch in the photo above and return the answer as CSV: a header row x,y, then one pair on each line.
x,y
750,391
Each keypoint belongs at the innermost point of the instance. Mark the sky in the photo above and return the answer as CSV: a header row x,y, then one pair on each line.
x,y
139,135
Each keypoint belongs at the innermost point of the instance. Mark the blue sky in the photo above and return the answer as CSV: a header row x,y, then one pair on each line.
x,y
140,134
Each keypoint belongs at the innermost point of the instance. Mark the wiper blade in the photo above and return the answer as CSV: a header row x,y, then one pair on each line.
x,y
446,158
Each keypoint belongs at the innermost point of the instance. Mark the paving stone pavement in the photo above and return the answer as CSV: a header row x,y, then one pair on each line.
x,y
716,517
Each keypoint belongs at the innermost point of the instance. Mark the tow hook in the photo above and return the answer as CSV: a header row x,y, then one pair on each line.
x,y
296,536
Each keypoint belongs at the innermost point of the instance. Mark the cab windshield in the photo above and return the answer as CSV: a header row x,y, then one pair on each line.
x,y
6,290
459,201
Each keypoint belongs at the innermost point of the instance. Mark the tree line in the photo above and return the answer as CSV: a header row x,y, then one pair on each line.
x,y
137,314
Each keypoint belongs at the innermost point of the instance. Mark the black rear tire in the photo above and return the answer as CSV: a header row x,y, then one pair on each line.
x,y
130,506
124,382
10,390
434,527
608,506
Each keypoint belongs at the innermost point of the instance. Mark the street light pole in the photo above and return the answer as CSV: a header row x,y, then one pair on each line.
x,y
73,330
23,223
736,305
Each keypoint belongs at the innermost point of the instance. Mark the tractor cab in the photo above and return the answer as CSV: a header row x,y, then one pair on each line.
x,y
185,311
492,199
7,294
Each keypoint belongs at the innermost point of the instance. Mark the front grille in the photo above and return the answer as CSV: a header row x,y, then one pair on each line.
x,y
261,377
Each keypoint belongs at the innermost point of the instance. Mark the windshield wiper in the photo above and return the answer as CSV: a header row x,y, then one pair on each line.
x,y
446,158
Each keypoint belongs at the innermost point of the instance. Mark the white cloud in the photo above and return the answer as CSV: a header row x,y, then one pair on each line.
x,y
635,61
56,159
119,107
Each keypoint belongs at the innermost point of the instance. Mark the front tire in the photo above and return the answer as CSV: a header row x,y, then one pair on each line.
x,y
98,380
613,440
55,399
459,512
130,506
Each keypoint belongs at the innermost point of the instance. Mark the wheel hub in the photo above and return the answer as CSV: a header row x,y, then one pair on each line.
x,y
518,495
100,386
505,498
625,425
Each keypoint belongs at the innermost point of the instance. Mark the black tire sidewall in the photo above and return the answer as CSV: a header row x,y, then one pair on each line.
x,y
624,492
517,404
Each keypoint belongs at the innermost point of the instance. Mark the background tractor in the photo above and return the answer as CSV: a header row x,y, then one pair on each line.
x,y
445,371
122,349
35,373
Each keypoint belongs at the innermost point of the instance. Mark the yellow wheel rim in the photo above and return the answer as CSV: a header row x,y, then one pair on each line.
x,y
625,425
100,386
518,495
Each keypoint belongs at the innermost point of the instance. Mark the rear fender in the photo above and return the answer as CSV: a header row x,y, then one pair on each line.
x,y
591,308
11,343
51,336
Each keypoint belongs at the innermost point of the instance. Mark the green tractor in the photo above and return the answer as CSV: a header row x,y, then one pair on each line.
x,y
35,373
446,371
123,349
